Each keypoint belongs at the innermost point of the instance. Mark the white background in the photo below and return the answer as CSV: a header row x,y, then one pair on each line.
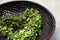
x,y
54,7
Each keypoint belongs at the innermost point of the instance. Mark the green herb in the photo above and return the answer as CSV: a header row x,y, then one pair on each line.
x,y
24,27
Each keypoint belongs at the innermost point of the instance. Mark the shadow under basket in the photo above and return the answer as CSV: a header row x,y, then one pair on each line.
x,y
17,7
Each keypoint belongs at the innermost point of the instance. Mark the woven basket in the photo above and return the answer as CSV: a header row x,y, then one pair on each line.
x,y
17,7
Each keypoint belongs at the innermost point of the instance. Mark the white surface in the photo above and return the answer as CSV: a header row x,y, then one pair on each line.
x,y
53,6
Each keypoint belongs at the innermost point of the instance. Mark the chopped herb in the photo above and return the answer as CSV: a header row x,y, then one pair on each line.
x,y
24,27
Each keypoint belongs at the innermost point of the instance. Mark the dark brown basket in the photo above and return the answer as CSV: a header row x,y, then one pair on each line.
x,y
17,7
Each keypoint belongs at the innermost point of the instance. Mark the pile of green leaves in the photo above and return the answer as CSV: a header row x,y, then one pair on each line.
x,y
24,27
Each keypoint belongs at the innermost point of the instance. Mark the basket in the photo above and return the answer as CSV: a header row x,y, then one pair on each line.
x,y
17,7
